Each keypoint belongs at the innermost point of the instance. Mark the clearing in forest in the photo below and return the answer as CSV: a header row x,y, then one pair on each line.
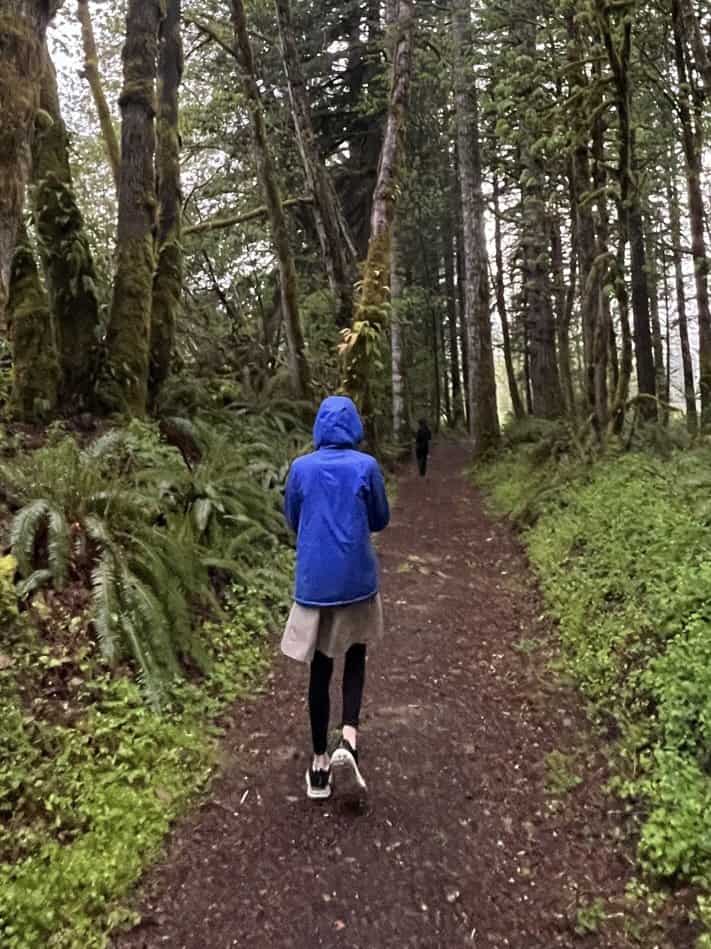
x,y
486,824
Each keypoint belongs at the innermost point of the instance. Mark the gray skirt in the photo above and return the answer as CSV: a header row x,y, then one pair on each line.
x,y
331,630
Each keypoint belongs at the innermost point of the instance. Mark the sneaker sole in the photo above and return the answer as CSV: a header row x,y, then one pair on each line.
x,y
348,779
317,794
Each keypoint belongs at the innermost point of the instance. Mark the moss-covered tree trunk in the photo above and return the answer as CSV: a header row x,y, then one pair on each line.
x,y
168,284
65,251
23,24
483,411
299,372
31,329
516,403
93,77
336,244
124,386
363,341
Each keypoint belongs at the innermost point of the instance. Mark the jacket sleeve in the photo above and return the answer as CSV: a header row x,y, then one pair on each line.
x,y
378,508
292,500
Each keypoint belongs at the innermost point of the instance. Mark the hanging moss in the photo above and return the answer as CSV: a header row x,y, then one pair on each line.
x,y
124,380
35,364
65,251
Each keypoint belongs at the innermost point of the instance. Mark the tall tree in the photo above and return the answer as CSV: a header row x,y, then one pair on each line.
x,y
168,282
364,340
484,419
65,252
125,383
23,25
397,286
693,144
616,27
93,77
334,237
299,372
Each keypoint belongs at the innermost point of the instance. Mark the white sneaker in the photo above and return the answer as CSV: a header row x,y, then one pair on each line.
x,y
346,773
318,784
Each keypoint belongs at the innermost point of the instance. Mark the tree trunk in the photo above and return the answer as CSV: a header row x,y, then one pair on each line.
x,y
698,44
516,403
299,372
545,380
451,293
365,336
337,250
124,386
23,24
461,305
692,139
619,51
657,339
692,421
482,408
397,285
65,252
35,366
561,321
623,382
168,281
93,77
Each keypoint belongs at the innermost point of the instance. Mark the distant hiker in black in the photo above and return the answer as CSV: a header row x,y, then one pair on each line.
x,y
422,446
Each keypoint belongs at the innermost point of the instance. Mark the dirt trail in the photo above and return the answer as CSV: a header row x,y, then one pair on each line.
x,y
461,844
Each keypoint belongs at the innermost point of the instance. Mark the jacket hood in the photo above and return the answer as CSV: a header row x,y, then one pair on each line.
x,y
338,424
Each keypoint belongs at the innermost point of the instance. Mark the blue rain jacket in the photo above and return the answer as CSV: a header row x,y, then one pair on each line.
x,y
335,497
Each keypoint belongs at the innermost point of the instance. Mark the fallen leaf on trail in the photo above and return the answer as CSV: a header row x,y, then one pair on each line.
x,y
340,925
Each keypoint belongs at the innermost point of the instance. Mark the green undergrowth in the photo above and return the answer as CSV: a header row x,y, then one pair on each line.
x,y
622,547
91,776
146,567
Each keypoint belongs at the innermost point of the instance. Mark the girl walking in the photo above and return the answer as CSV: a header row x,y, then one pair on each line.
x,y
335,498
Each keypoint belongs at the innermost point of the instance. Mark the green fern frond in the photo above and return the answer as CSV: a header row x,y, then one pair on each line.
x,y
59,547
106,599
23,535
35,581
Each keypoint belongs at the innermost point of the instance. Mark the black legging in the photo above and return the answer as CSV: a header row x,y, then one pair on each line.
x,y
422,464
319,698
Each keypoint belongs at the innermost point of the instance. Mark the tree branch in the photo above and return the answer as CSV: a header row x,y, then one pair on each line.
x,y
222,223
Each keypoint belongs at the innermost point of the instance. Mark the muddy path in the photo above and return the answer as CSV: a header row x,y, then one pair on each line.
x,y
474,835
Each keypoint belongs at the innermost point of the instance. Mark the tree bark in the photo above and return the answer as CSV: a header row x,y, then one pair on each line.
x,y
448,254
299,372
93,77
696,37
516,403
23,25
124,387
545,379
619,52
365,335
168,281
692,139
337,249
35,364
687,365
397,285
65,252
483,412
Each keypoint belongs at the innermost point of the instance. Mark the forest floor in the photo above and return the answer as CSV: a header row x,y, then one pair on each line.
x,y
486,825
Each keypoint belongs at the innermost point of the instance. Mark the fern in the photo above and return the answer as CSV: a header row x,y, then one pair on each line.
x,y
59,547
23,535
